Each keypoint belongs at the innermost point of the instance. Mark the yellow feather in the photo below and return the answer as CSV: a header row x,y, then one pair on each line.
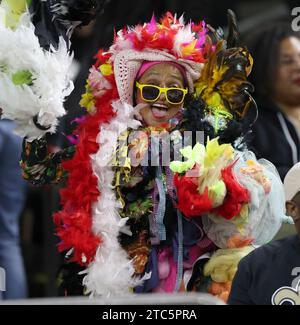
x,y
188,49
221,81
13,10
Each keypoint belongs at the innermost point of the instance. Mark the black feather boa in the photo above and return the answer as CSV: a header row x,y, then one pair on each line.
x,y
194,120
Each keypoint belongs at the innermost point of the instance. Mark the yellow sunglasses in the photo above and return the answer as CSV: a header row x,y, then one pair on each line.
x,y
151,93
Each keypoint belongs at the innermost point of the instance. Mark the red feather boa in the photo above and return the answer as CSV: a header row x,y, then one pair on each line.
x,y
74,222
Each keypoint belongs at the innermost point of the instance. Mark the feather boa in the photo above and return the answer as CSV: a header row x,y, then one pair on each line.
x,y
74,222
21,51
94,240
111,272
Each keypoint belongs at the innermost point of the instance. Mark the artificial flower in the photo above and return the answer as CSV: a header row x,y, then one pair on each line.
x,y
193,156
106,69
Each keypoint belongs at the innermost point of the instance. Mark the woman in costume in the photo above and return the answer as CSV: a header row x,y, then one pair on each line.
x,y
134,225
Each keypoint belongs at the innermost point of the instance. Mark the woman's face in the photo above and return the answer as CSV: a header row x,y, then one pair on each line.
x,y
287,81
161,111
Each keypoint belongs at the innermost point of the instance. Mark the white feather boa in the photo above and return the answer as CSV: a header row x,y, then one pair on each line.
x,y
111,272
20,51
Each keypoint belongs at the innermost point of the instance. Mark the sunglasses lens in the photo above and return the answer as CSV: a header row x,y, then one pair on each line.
x,y
150,93
175,96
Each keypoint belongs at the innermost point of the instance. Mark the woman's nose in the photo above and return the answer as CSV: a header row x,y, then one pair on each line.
x,y
162,97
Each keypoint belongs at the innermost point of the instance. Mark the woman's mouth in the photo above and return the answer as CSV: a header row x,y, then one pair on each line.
x,y
159,111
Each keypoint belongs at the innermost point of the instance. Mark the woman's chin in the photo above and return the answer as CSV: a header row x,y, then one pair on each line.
x,y
155,121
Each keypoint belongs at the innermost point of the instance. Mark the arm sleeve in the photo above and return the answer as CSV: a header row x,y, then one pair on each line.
x,y
239,294
41,167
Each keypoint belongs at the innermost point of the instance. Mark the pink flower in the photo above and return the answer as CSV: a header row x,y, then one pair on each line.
x,y
98,83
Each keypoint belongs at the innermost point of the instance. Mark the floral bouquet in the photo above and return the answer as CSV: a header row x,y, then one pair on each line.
x,y
206,183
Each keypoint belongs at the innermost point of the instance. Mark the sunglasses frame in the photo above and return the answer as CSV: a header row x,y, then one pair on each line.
x,y
161,90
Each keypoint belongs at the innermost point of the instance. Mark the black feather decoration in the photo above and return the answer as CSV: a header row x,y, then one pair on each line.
x,y
70,279
194,120
82,11
233,38
55,18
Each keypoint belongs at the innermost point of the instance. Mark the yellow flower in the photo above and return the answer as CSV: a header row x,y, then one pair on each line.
x,y
106,69
88,101
215,151
193,155
217,193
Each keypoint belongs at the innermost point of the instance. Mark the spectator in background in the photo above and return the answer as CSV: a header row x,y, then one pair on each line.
x,y
271,273
276,77
12,200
